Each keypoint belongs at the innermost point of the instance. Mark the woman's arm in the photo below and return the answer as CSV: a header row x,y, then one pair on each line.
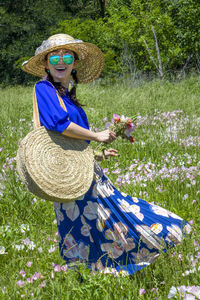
x,y
78,132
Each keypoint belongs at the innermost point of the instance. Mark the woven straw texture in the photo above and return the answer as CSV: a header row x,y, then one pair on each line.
x,y
90,57
55,167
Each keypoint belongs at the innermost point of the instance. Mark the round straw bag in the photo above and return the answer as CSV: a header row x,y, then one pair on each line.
x,y
55,167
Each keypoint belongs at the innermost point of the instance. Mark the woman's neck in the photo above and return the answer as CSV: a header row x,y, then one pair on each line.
x,y
65,84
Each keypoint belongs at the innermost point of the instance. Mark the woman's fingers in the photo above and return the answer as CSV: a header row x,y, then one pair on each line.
x,y
110,152
112,136
106,136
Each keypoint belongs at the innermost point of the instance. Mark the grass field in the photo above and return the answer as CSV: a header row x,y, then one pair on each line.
x,y
162,166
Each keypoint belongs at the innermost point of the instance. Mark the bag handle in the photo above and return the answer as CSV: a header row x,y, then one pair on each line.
x,y
36,119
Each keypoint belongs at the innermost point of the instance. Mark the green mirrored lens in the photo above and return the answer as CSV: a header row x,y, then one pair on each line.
x,y
54,59
68,59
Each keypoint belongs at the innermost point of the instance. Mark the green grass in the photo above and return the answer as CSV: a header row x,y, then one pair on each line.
x,y
160,139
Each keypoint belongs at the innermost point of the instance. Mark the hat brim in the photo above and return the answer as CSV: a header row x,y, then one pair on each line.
x,y
89,67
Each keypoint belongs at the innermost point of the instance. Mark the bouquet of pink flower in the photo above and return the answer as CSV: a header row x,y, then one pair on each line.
x,y
122,126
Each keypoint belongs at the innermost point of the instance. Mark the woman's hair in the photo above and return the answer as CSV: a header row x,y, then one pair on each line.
x,y
61,89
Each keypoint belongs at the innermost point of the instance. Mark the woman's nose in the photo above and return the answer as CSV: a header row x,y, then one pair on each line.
x,y
61,59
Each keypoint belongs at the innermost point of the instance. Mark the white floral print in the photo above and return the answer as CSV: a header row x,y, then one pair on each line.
x,y
172,215
164,212
149,237
135,199
175,234
120,243
187,228
97,211
144,257
85,229
156,228
75,250
160,211
104,189
135,209
59,214
71,209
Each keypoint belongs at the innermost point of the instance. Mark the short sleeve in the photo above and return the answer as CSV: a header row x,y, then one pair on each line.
x,y
51,114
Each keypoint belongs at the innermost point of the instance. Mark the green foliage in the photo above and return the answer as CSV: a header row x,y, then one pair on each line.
x,y
24,24
122,29
24,219
126,32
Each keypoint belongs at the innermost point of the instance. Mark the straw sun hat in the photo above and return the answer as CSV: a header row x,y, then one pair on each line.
x,y
90,57
54,167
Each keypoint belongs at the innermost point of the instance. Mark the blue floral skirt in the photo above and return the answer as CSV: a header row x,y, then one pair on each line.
x,y
113,232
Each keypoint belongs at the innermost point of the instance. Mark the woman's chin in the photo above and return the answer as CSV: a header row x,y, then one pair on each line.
x,y
60,77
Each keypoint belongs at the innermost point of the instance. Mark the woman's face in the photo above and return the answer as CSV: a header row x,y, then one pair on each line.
x,y
60,71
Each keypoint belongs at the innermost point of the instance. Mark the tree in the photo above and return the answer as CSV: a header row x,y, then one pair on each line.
x,y
24,24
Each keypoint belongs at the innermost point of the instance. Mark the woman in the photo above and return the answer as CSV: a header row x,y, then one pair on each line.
x,y
107,230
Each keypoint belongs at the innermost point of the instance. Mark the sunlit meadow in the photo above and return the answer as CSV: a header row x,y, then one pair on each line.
x,y
162,166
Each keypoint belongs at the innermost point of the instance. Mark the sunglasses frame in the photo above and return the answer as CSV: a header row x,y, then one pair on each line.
x,y
68,56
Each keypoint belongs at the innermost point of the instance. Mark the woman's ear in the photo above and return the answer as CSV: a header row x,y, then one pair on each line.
x,y
46,64
76,62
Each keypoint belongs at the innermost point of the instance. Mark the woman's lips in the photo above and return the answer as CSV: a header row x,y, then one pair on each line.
x,y
60,69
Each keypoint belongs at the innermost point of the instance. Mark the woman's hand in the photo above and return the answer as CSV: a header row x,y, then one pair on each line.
x,y
105,136
110,152
100,155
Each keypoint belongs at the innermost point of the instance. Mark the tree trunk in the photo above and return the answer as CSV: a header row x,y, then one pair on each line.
x,y
102,4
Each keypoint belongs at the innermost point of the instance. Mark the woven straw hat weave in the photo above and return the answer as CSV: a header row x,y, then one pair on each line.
x,y
55,167
90,58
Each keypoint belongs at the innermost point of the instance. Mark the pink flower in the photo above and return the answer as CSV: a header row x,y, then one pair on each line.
x,y
191,222
153,290
180,257
142,291
116,118
29,264
37,276
26,241
52,249
22,273
57,268
105,170
174,253
108,124
64,268
43,284
20,283
185,196
131,126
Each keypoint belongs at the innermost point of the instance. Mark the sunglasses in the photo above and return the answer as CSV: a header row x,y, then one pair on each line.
x,y
67,59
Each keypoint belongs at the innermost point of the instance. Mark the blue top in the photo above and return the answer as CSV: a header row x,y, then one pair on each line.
x,y
51,114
